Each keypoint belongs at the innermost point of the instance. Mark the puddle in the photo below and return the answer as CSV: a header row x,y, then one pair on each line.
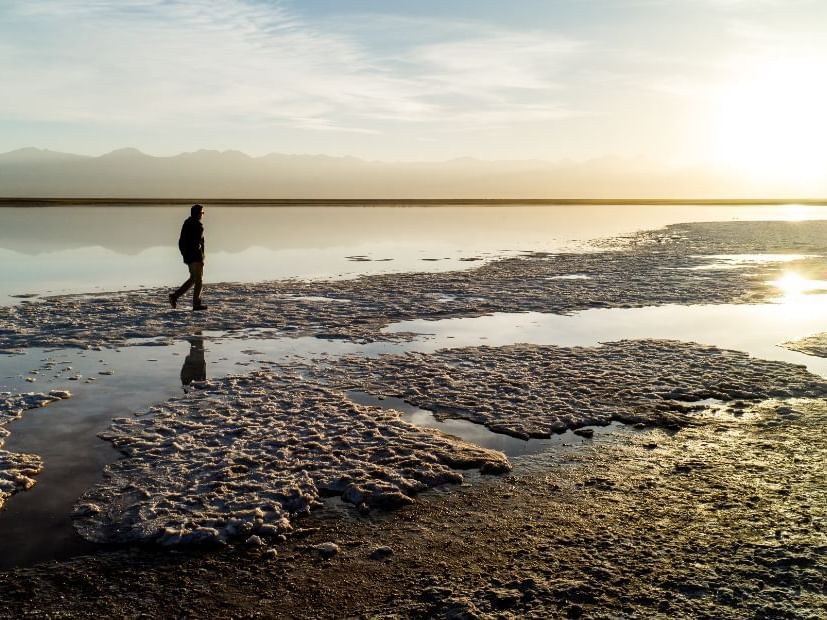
x,y
477,433
35,525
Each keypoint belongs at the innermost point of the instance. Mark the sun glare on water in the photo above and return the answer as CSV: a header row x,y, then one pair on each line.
x,y
796,213
802,300
793,286
772,123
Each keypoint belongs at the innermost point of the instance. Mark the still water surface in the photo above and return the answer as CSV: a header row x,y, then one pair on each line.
x,y
75,249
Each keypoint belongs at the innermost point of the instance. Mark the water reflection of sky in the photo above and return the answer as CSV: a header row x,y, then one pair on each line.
x,y
757,329
80,249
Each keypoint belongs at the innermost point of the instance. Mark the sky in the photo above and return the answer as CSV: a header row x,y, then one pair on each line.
x,y
728,84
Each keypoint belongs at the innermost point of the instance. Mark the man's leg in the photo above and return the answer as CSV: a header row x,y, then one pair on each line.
x,y
196,275
173,298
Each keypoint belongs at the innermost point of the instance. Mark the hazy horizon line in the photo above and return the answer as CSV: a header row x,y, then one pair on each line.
x,y
34,201
137,150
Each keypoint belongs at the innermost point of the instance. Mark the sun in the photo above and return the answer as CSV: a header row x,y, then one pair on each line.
x,y
772,122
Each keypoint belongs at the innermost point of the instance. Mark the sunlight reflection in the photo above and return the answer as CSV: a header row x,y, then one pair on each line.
x,y
793,286
737,261
795,213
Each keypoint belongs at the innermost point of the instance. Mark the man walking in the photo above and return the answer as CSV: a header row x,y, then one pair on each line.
x,y
191,245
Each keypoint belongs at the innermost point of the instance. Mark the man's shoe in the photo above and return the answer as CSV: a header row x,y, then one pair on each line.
x,y
172,300
199,307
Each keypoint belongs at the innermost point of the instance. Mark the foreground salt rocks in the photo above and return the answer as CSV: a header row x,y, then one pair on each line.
x,y
17,471
242,456
534,391
672,265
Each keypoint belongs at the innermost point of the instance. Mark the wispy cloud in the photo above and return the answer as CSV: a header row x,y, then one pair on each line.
x,y
255,62
419,80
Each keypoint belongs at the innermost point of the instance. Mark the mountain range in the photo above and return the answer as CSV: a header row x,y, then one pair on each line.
x,y
208,174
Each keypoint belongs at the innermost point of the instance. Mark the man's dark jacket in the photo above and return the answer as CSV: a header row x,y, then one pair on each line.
x,y
191,241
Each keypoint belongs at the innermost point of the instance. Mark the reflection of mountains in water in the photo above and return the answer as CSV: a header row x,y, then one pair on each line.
x,y
130,229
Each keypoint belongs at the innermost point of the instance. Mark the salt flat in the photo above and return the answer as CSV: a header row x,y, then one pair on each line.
x,y
245,457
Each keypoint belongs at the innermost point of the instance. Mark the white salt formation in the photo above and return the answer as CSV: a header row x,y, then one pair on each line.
x,y
650,268
242,456
534,391
17,471
13,405
815,345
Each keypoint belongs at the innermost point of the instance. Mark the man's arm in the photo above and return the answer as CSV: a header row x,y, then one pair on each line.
x,y
203,247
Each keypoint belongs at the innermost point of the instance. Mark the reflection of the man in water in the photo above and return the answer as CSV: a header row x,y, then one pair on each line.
x,y
195,365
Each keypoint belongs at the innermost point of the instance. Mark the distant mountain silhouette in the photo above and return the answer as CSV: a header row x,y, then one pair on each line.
x,y
33,155
129,173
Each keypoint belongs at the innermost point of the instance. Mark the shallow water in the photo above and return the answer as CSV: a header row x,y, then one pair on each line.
x,y
477,433
56,250
36,525
755,329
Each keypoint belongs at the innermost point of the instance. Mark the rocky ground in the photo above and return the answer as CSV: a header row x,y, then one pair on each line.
x,y
725,519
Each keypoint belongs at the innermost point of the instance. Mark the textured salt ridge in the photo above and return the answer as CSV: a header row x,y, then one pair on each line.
x,y
17,471
650,269
534,391
242,456
815,345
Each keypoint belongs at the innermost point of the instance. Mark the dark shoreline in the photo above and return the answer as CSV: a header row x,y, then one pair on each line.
x,y
649,525
387,202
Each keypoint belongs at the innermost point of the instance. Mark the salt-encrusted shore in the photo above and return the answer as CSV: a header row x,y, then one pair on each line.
x,y
241,457
534,391
651,268
724,518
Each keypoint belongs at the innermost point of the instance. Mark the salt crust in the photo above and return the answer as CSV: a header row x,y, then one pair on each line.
x,y
815,345
534,391
242,456
17,471
649,268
